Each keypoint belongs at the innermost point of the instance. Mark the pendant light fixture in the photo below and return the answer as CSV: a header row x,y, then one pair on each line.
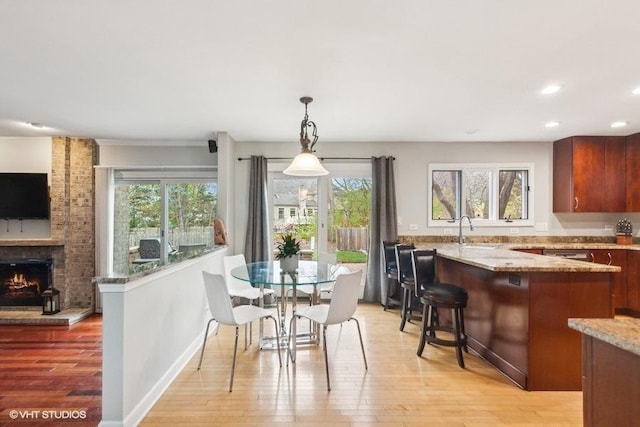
x,y
306,163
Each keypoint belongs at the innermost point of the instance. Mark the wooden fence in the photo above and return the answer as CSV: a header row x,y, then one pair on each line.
x,y
192,236
352,239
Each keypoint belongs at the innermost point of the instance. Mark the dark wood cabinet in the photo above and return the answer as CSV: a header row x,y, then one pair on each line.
x,y
616,257
529,250
611,389
632,172
633,282
587,174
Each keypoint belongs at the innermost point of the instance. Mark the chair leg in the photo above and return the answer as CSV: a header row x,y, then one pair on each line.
x,y
464,333
426,316
289,355
275,322
326,357
455,317
386,301
403,308
233,365
245,336
204,343
364,357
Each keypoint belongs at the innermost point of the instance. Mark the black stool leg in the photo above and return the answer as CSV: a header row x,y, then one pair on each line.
x,y
426,315
403,307
457,318
464,333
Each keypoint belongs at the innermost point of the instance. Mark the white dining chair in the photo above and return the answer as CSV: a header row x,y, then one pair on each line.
x,y
343,305
224,313
243,289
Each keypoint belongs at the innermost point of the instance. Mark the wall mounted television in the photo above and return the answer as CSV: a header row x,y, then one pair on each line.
x,y
24,196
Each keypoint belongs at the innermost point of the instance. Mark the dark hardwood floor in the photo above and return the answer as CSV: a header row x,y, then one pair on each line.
x,y
51,375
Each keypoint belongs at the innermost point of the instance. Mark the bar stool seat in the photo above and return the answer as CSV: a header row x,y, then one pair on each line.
x,y
444,296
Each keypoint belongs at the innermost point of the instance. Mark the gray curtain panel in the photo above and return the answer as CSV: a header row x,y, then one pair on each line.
x,y
257,244
382,225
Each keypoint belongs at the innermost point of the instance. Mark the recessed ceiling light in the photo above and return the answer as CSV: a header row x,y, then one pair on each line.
x,y
35,125
636,91
550,89
471,131
619,124
552,124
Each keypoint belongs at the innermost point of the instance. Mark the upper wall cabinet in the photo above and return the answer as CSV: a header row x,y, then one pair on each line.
x,y
588,174
633,173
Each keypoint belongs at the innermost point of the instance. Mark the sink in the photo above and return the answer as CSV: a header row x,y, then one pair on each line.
x,y
479,246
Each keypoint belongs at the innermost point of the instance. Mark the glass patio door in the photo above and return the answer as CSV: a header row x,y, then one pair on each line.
x,y
294,208
329,214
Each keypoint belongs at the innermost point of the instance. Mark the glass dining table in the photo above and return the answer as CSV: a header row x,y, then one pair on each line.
x,y
268,274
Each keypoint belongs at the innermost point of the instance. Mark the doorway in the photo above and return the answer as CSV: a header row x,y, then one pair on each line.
x,y
328,214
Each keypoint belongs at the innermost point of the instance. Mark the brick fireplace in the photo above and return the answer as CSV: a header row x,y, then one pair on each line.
x,y
71,247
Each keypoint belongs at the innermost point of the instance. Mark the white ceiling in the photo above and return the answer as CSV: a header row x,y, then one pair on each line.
x,y
394,70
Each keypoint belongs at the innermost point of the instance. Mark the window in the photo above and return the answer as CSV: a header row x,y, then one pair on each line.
x,y
161,217
280,213
490,194
292,212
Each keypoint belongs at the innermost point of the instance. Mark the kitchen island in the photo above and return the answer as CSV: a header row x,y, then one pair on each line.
x,y
611,370
519,306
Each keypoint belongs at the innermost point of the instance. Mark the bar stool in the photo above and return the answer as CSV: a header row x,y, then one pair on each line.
x,y
407,283
390,269
437,295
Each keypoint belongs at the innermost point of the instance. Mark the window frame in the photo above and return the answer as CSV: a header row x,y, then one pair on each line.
x,y
495,169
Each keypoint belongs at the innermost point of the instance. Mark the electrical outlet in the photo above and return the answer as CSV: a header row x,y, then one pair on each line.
x,y
514,230
542,226
448,231
413,227
608,227
399,220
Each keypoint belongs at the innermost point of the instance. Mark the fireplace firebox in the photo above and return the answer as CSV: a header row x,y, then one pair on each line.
x,y
22,281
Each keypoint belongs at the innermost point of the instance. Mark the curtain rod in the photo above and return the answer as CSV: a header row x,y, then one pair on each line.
x,y
321,158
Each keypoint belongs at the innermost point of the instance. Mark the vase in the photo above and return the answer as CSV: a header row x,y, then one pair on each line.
x,y
289,263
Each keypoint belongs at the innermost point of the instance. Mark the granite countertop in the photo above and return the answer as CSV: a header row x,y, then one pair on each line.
x,y
503,258
153,268
587,246
623,333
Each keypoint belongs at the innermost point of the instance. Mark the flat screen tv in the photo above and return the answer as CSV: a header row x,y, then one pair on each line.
x,y
24,196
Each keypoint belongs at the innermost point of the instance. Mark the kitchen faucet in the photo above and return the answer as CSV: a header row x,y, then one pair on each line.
x,y
460,236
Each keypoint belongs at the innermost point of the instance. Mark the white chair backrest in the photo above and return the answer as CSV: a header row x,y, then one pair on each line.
x,y
230,262
345,297
327,257
218,298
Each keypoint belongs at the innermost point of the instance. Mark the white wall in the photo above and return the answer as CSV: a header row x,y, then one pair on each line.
x,y
411,169
27,155
155,153
152,327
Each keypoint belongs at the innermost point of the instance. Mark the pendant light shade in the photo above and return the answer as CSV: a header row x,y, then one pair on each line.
x,y
306,163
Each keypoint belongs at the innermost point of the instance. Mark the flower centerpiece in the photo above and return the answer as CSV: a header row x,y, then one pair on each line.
x,y
288,252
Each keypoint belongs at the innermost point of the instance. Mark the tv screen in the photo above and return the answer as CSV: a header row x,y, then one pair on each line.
x,y
24,196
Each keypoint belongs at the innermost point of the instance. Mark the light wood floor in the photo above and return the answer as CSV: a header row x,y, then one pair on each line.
x,y
399,389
